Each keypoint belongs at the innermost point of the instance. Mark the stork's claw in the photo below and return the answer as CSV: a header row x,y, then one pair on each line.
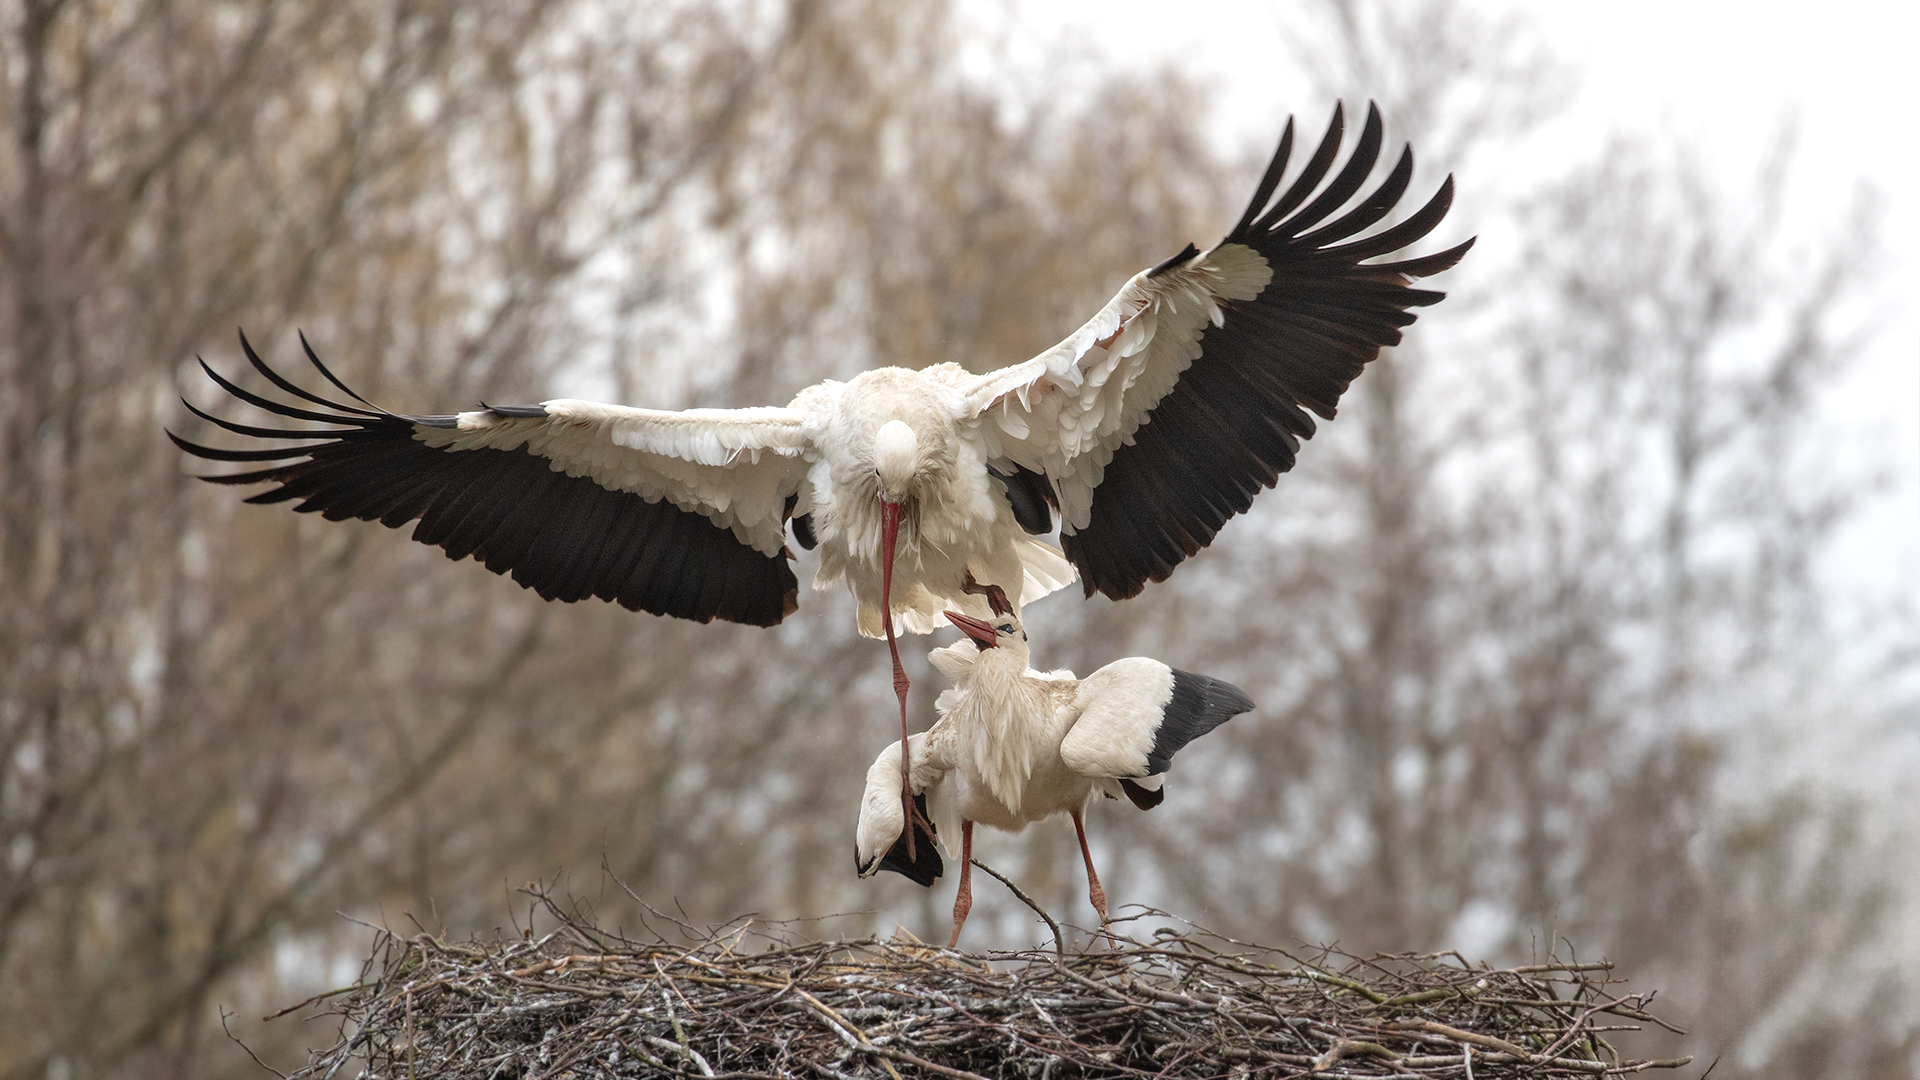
x,y
915,819
996,596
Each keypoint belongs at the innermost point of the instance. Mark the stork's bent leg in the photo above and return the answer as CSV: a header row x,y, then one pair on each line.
x,y
900,686
913,816
963,900
889,528
996,596
1094,892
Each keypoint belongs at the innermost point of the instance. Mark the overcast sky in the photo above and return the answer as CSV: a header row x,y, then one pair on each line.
x,y
1718,76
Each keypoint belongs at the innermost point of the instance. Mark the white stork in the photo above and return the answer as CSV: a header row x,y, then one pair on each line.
x,y
1146,429
1014,746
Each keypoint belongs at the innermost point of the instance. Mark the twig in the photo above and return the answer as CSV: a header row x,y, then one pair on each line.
x,y
236,1040
1059,951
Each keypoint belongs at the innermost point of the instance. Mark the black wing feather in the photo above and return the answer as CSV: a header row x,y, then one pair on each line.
x,y
1143,797
314,359
1234,420
290,387
1309,178
1276,168
565,537
1199,704
925,866
1344,185
1029,494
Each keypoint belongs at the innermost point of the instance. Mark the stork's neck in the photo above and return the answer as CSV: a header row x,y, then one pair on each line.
x,y
1001,722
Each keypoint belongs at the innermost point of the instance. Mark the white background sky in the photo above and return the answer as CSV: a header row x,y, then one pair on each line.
x,y
1718,77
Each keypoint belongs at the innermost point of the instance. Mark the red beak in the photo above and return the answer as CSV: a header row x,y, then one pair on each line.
x,y
889,534
981,632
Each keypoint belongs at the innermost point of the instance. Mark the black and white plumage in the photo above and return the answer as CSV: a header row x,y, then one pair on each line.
x,y
1145,430
1014,746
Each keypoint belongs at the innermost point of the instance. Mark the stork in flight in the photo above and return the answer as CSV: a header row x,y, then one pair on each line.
x,y
1014,746
1145,430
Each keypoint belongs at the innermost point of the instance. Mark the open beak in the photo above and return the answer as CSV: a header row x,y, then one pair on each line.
x,y
981,632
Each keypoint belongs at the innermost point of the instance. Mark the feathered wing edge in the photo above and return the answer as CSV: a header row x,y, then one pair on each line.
x,y
1135,714
565,537
1233,421
882,822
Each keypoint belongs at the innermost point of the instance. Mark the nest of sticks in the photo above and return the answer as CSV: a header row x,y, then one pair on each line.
x,y
747,1001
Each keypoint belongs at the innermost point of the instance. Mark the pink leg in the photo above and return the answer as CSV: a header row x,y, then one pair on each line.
x,y
900,686
1094,892
963,900
889,524
912,810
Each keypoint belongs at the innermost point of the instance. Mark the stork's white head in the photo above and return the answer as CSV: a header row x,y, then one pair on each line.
x,y
896,457
1002,637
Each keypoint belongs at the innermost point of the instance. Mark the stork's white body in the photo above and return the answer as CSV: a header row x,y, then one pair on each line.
x,y
1014,746
1023,745
957,521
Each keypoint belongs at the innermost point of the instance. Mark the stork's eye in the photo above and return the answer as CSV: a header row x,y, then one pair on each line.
x,y
1005,628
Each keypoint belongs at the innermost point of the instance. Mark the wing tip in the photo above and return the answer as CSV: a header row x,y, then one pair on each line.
x,y
1439,261
1142,797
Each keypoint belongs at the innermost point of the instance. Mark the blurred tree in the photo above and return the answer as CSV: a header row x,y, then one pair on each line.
x,y
219,725
1499,621
216,728
1526,602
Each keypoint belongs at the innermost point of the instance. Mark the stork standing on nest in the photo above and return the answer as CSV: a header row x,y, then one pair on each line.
x,y
1145,431
1014,746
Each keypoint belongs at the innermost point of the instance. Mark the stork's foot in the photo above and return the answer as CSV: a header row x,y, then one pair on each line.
x,y
963,898
916,821
996,596
1095,894
1098,897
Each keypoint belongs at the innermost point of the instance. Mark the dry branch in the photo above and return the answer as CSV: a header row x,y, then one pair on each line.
x,y
583,1002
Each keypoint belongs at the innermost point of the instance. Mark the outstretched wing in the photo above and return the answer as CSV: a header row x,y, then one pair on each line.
x,y
676,513
1188,393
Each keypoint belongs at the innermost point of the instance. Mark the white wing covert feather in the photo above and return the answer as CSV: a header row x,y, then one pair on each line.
x,y
736,467
1066,411
1119,710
